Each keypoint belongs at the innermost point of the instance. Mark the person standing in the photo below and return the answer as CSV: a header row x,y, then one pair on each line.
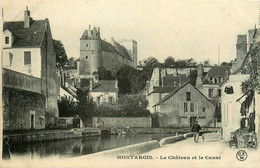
x,y
196,129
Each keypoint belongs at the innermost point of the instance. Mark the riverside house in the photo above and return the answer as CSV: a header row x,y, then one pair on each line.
x,y
183,106
29,75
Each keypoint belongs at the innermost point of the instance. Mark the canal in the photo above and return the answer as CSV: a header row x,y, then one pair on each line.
x,y
77,147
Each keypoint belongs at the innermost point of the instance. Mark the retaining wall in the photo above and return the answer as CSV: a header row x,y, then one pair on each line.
x,y
53,135
122,122
127,150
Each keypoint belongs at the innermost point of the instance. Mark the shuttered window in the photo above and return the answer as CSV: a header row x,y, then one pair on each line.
x,y
27,58
185,107
192,107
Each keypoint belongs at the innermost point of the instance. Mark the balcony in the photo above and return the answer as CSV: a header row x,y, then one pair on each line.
x,y
16,80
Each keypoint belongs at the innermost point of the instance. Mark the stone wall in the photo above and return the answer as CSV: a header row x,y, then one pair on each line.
x,y
122,122
18,106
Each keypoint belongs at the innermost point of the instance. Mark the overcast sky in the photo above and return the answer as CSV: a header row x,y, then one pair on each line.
x,y
182,29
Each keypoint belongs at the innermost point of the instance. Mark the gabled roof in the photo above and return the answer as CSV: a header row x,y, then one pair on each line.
x,y
175,91
105,86
26,37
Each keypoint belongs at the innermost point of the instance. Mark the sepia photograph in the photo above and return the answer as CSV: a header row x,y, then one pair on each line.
x,y
130,84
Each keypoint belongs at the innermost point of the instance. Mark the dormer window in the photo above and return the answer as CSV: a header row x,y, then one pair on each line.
x,y
7,40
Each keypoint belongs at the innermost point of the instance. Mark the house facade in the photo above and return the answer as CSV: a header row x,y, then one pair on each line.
x,y
96,53
104,92
29,74
241,110
183,106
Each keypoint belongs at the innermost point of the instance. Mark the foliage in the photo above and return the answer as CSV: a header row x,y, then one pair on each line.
x,y
252,67
105,74
226,64
61,56
206,62
67,108
71,63
130,80
128,106
169,62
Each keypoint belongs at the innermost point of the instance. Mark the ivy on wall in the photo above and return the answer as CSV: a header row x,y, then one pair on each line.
x,y
252,67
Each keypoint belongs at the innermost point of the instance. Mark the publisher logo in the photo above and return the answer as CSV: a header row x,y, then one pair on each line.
x,y
241,155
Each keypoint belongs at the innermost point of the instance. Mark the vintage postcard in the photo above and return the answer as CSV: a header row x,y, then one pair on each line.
x,y
128,83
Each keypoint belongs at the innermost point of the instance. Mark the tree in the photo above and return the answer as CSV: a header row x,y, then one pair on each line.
x,y
206,62
105,74
134,106
169,62
148,65
71,63
61,56
226,64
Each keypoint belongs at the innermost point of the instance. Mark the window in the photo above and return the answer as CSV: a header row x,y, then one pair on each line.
x,y
219,92
192,107
92,52
87,45
185,107
6,40
100,45
204,109
27,58
96,35
210,92
188,98
10,58
86,57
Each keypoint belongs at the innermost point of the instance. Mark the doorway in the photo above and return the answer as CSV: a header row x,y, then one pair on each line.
x,y
192,121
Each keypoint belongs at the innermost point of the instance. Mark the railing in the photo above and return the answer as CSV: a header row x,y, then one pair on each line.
x,y
17,80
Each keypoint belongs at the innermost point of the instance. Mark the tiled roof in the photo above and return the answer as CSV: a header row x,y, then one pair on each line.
x,y
163,89
122,50
105,86
108,47
218,72
26,37
169,80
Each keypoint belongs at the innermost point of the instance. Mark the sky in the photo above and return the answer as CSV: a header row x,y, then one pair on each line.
x,y
181,29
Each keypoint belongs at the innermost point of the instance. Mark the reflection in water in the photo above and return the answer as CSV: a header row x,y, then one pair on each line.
x,y
78,147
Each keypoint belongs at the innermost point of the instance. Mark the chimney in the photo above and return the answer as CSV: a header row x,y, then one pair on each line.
x,y
116,83
27,18
89,30
200,70
241,47
90,84
112,39
98,29
188,73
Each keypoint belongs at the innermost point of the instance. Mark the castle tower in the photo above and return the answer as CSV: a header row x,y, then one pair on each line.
x,y
90,53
